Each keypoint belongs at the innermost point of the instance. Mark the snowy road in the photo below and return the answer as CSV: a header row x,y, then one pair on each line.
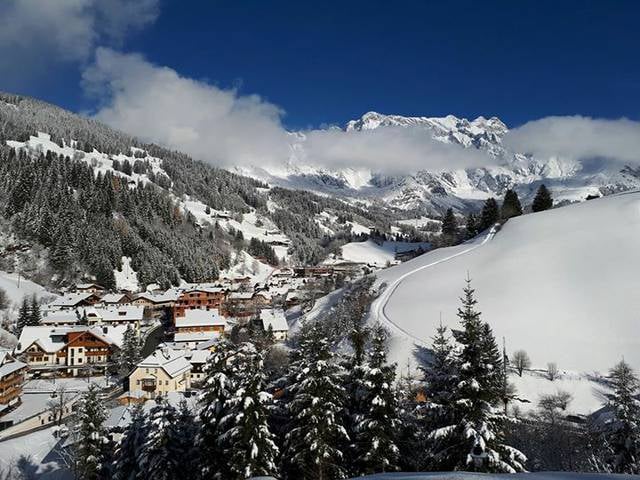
x,y
379,305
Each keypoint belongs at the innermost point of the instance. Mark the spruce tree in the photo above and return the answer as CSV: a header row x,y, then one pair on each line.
x,y
376,428
622,438
471,226
130,353
90,451
313,445
475,441
128,450
24,316
248,443
449,226
542,200
216,392
187,431
511,206
490,214
34,312
160,454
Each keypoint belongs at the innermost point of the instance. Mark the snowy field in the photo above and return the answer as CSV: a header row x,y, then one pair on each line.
x,y
561,284
17,289
371,252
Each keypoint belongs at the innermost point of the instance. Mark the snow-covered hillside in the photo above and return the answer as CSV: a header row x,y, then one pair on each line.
x,y
561,284
377,254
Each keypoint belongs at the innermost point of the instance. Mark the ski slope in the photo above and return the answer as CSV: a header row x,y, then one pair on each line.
x,y
373,253
561,284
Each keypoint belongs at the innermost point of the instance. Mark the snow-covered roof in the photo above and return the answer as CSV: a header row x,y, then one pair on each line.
x,y
11,367
71,300
117,314
241,295
171,361
183,337
197,356
205,289
168,296
275,319
200,318
113,297
85,286
59,317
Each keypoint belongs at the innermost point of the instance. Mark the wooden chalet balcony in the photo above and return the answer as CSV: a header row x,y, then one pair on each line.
x,y
148,384
8,394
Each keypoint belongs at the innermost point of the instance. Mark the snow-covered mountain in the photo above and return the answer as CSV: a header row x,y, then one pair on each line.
x,y
434,191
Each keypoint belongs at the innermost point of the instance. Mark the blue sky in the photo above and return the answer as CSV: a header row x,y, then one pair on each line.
x,y
226,81
328,62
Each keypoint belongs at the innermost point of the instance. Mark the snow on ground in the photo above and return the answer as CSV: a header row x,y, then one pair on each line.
x,y
100,162
127,278
501,476
17,287
373,253
418,222
37,448
245,264
586,390
561,284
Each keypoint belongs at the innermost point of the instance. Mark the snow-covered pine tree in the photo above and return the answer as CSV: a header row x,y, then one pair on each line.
x,y
542,200
490,214
622,438
216,391
471,226
91,441
130,353
187,430
511,206
376,427
313,445
476,441
449,226
126,463
34,311
24,316
160,455
248,443
441,380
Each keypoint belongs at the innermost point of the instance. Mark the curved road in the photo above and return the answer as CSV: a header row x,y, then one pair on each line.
x,y
378,308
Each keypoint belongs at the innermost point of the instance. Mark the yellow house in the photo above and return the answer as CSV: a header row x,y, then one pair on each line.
x,y
165,370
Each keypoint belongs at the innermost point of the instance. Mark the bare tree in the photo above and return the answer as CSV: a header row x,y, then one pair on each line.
x,y
521,361
552,371
59,399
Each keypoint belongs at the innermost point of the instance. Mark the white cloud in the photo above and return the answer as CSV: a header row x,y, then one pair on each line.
x,y
578,138
228,129
35,34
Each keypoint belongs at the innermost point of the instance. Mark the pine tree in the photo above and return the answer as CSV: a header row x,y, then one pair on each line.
x,y
34,312
376,428
24,316
622,439
511,206
130,353
471,226
313,443
249,445
476,440
450,226
216,392
187,431
128,450
160,454
90,452
542,200
490,214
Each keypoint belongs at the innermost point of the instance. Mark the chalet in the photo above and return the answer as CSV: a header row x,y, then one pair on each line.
x,y
192,340
60,317
74,301
275,321
199,298
240,304
200,321
282,273
155,303
71,350
122,315
12,374
164,371
198,360
89,288
116,299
